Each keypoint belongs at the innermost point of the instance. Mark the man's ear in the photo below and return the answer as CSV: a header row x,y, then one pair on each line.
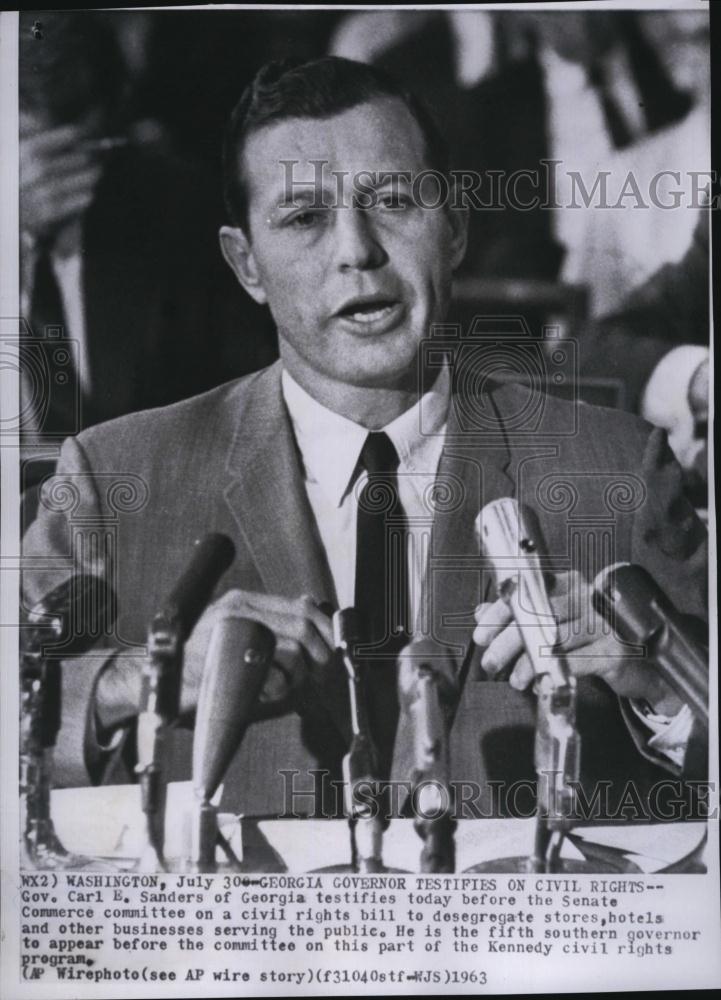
x,y
238,253
458,221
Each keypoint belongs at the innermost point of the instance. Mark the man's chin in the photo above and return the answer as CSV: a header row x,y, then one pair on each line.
x,y
382,363
388,377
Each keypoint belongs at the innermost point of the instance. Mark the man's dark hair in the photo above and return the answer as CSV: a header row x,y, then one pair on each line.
x,y
318,89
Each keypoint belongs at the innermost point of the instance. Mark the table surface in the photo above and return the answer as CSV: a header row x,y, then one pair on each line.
x,y
107,823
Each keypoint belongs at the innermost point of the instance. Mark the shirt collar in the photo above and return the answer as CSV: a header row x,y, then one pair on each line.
x,y
330,444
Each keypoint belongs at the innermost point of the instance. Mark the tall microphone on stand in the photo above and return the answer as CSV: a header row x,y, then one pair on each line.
x,y
162,680
510,539
239,657
425,680
66,622
364,804
639,612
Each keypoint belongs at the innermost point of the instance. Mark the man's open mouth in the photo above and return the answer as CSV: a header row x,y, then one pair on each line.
x,y
368,311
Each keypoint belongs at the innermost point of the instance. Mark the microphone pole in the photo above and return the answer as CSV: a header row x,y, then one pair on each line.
x,y
66,622
364,801
639,612
422,686
161,681
510,540
239,657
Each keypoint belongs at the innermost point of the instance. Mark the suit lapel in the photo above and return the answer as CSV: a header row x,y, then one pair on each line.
x,y
268,501
473,468
473,471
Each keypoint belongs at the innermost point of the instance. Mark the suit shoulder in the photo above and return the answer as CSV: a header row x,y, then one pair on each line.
x,y
528,411
205,417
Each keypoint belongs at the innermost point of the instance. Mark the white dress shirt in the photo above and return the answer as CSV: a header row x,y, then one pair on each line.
x,y
69,274
330,446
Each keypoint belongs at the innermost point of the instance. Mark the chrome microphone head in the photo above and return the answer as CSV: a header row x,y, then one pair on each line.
x,y
511,539
508,534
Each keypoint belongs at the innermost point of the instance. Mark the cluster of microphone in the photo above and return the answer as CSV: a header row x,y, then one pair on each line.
x,y
241,654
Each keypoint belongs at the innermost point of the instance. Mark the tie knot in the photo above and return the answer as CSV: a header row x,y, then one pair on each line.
x,y
379,454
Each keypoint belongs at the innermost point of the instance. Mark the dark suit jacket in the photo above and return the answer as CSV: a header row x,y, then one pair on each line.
x,y
165,317
131,496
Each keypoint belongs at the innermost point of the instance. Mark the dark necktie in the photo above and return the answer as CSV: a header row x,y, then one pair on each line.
x,y
381,589
52,376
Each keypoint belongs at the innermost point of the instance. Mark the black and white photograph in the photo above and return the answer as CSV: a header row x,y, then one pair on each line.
x,y
358,590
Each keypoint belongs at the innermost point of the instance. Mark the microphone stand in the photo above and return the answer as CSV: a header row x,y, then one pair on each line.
x,y
557,763
511,546
420,688
40,709
161,684
39,723
360,768
160,706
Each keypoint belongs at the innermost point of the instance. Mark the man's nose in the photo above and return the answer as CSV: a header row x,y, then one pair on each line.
x,y
358,246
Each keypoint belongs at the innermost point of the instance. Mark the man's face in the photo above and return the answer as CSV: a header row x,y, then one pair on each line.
x,y
353,290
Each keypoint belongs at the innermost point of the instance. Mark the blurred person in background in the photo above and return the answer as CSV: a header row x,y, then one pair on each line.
x,y
657,346
614,91
478,73
628,96
516,88
197,63
648,267
126,301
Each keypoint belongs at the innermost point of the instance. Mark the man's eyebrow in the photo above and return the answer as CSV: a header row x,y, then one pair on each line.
x,y
303,193
382,178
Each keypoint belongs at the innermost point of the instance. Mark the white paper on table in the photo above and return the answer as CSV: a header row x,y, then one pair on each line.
x,y
108,821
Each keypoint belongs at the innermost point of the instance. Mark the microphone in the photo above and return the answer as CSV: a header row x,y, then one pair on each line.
x,y
162,677
639,612
66,622
177,618
239,657
187,600
364,800
71,618
426,679
346,636
511,538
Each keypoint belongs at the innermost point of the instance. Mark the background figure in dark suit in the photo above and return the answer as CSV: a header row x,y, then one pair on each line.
x,y
279,461
119,251
657,346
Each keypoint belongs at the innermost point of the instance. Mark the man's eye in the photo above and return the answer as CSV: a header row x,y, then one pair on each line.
x,y
305,220
394,201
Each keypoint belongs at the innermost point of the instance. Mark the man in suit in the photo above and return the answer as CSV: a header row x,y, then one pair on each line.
x,y
285,462
119,259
